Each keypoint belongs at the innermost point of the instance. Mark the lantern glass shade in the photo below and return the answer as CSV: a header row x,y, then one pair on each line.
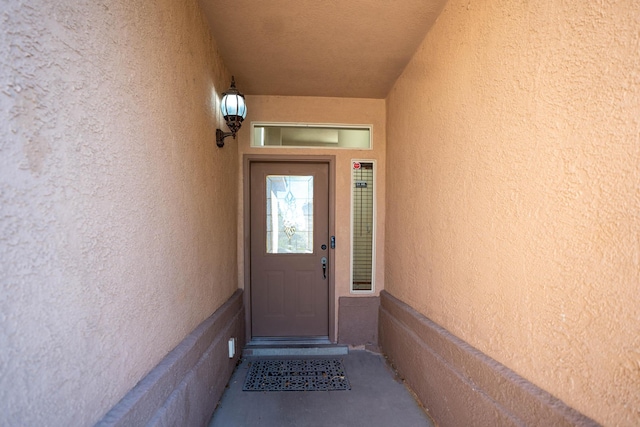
x,y
232,104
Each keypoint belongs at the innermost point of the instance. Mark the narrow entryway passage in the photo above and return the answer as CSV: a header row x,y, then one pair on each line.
x,y
376,398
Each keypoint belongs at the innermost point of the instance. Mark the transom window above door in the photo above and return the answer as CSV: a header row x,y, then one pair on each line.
x,y
311,135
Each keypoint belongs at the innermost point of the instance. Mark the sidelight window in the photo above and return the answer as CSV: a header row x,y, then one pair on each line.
x,y
362,226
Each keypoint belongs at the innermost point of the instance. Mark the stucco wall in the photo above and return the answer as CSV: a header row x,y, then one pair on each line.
x,y
117,211
513,192
286,109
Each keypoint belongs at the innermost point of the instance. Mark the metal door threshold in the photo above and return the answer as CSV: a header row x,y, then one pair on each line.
x,y
294,346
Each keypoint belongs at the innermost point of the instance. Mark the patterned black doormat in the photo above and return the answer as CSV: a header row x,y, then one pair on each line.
x,y
296,375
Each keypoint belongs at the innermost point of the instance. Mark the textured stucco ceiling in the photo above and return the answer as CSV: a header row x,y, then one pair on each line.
x,y
351,48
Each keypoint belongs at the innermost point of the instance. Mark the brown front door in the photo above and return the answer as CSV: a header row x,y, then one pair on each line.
x,y
289,249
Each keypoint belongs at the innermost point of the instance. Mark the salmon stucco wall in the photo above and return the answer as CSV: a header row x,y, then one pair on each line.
x,y
513,192
117,210
354,111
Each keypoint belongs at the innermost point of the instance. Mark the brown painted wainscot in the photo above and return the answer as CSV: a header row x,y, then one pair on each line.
x,y
183,389
459,385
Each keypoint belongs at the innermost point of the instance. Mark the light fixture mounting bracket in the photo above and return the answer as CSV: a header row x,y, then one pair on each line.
x,y
220,136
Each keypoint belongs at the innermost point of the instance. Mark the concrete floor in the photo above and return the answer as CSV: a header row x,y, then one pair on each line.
x,y
376,398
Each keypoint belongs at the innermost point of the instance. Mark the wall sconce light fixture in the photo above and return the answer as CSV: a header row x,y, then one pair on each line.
x,y
234,110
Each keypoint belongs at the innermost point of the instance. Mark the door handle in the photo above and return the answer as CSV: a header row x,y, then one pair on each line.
x,y
323,260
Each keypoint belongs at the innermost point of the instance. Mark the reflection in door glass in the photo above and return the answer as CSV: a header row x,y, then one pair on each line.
x,y
289,214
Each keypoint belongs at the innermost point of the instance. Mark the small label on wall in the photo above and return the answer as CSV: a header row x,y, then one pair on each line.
x,y
361,184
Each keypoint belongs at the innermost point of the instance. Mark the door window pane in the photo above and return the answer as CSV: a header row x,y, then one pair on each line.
x,y
289,214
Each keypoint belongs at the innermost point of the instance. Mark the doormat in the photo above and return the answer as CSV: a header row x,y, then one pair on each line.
x,y
296,375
